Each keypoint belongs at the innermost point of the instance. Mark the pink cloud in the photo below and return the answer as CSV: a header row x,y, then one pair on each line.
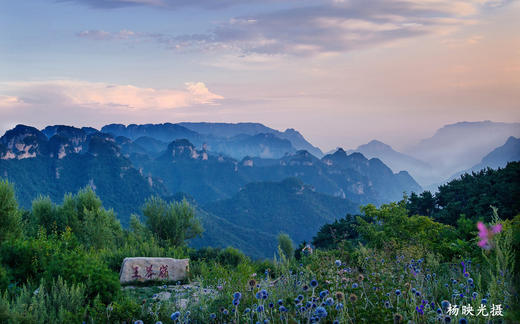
x,y
99,95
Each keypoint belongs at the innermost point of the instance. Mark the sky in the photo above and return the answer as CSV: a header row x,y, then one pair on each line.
x,y
342,72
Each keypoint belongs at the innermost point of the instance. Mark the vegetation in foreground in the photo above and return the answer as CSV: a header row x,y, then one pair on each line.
x,y
60,264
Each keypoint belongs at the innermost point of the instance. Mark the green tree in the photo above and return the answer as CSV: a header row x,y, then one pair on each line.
x,y
330,235
390,227
10,217
285,244
83,213
172,223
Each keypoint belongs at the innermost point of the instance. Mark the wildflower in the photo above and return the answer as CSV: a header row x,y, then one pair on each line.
x,y
329,301
252,283
314,283
486,234
483,301
282,309
439,311
398,292
353,298
225,311
338,263
474,294
321,312
387,304
219,287
305,287
300,297
339,306
260,309
247,310
361,277
470,280
445,304
339,295
463,321
158,322
417,293
175,315
307,250
236,302
237,295
354,285
138,322
271,305
324,293
398,318
335,322
447,319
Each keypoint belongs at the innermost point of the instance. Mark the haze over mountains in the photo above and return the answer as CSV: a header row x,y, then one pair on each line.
x,y
247,181
451,150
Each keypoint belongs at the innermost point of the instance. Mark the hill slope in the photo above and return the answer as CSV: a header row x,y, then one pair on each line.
x,y
273,207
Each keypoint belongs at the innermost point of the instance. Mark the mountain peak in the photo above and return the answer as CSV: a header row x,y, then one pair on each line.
x,y
375,145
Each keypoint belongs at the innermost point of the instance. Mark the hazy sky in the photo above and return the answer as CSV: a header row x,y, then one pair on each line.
x,y
342,72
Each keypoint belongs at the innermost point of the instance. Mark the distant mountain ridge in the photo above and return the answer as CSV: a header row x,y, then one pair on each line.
x,y
230,130
498,158
397,161
234,140
459,146
453,149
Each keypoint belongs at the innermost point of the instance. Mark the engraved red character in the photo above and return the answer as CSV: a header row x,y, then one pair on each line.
x,y
136,274
149,272
163,271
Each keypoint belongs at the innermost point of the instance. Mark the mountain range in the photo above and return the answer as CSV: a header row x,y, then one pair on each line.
x,y
247,182
452,150
242,202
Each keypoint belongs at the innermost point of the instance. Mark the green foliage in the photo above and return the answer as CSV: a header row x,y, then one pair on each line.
x,y
90,222
172,223
423,204
83,213
391,228
471,195
331,235
53,301
10,218
226,257
500,262
61,255
285,246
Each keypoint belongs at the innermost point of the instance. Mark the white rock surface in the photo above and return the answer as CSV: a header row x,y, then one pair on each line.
x,y
146,269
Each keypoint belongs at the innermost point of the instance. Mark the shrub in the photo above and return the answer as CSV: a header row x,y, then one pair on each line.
x,y
10,217
51,302
173,223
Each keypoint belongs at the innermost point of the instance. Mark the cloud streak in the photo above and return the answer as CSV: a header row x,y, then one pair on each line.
x,y
103,95
170,4
320,27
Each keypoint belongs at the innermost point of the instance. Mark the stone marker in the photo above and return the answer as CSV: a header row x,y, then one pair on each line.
x,y
146,269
